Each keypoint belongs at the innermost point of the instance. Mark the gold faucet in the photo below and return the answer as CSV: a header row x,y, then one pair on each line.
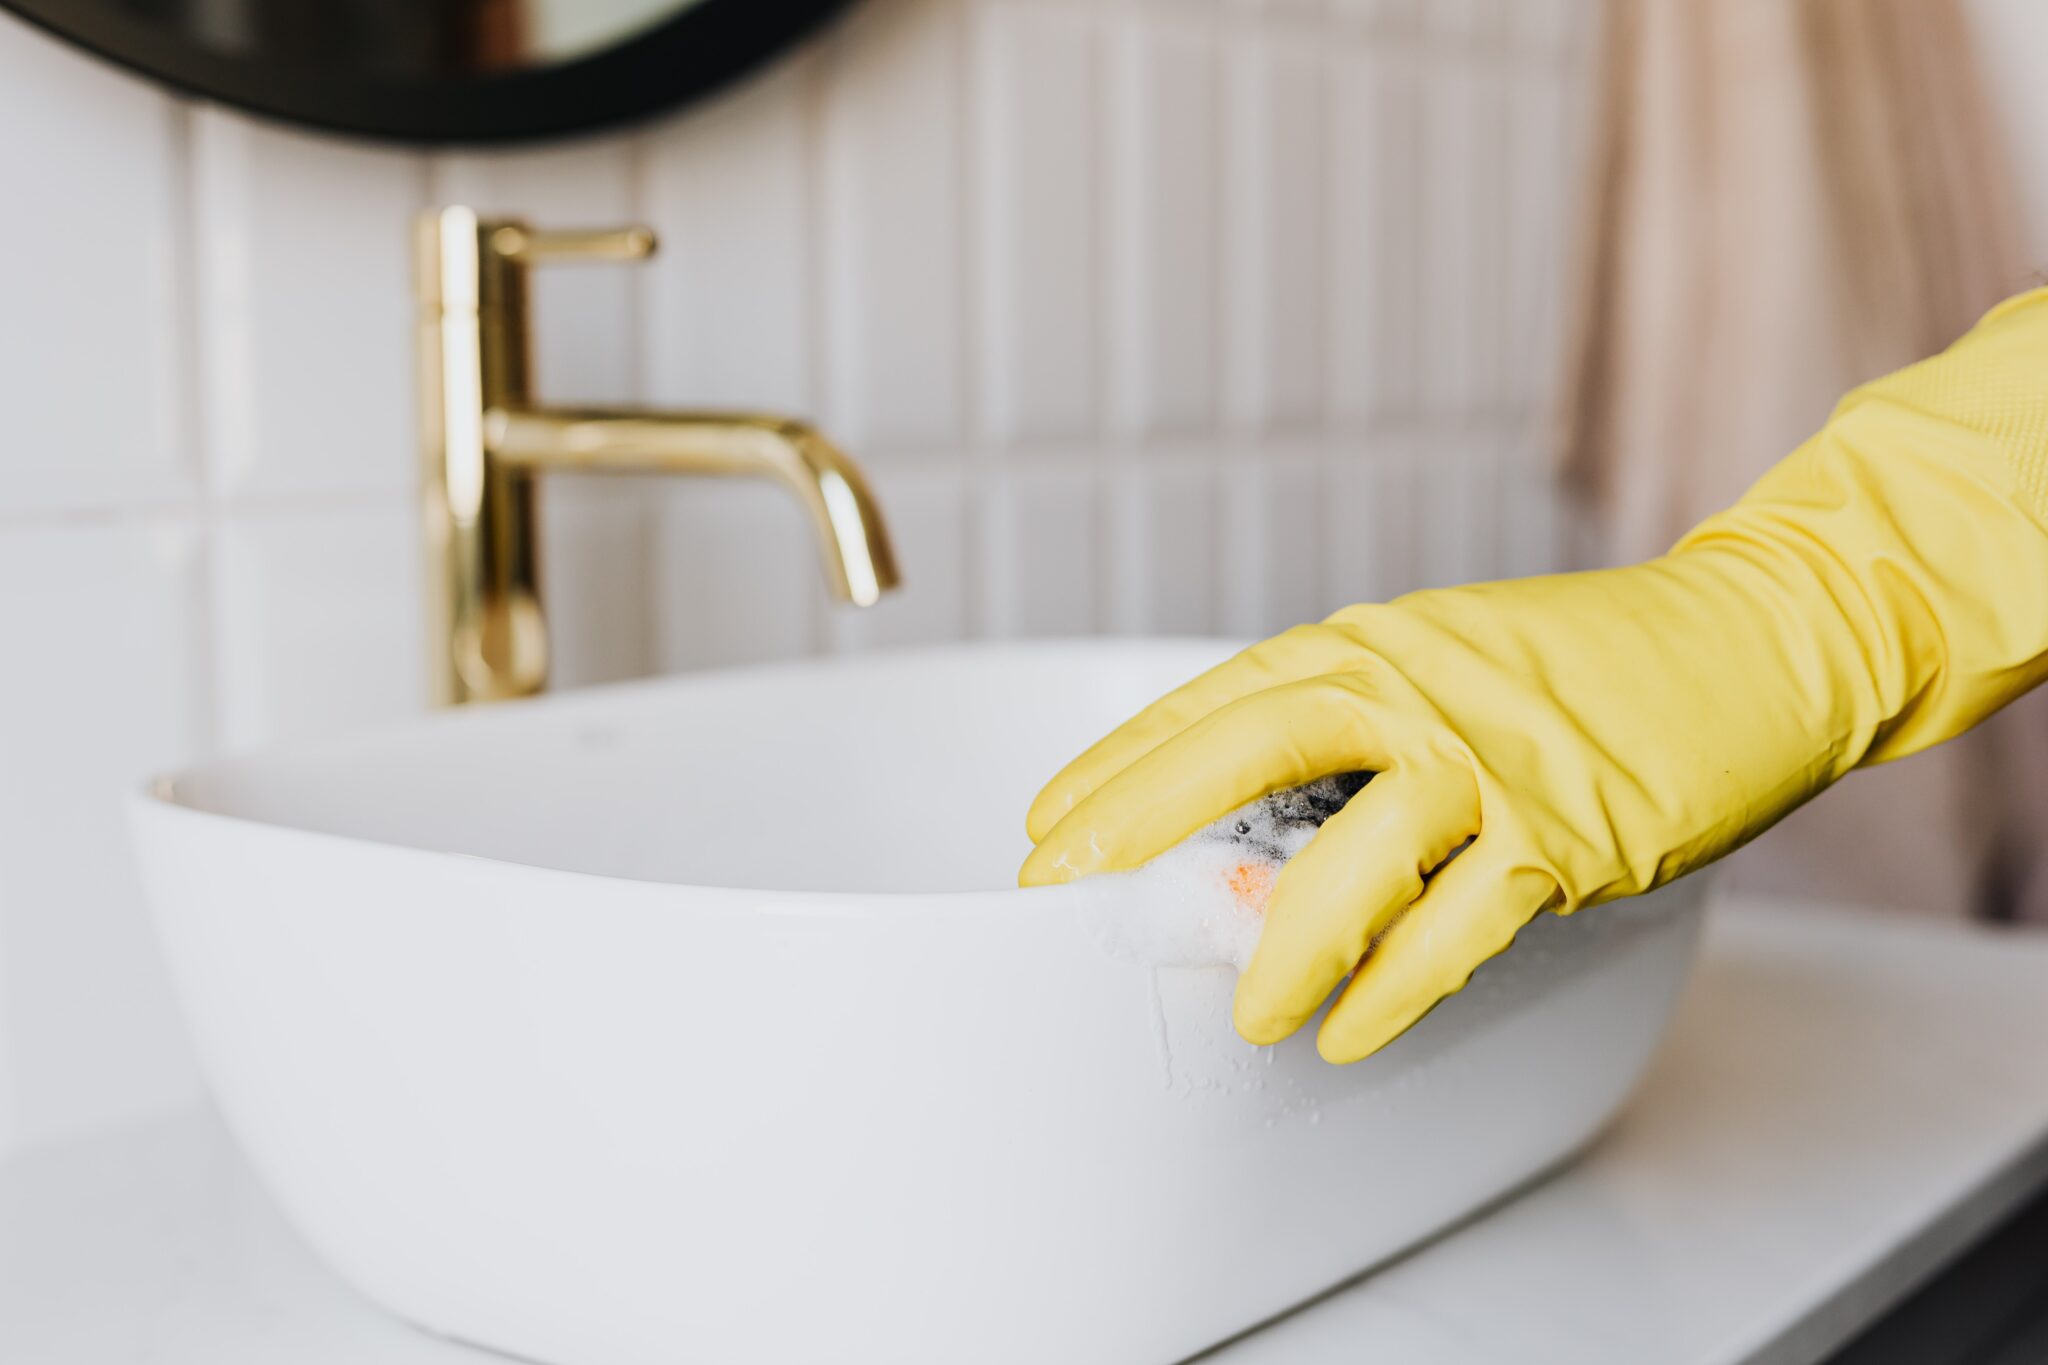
x,y
487,442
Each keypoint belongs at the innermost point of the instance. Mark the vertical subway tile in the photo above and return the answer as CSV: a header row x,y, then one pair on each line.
x,y
1548,29
1160,284
90,325
1369,535
582,315
736,576
1583,30
891,211
1457,505
1380,19
1532,517
598,582
1448,209
1036,70
1461,23
926,511
1162,549
1269,535
1273,223
320,621
1543,195
103,686
1374,286
598,535
1039,553
730,320
1309,14
305,309
1489,281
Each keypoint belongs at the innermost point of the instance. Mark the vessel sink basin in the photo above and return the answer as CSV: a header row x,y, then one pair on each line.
x,y
702,1020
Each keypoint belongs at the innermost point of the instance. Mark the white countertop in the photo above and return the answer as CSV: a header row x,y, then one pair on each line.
x,y
1846,1100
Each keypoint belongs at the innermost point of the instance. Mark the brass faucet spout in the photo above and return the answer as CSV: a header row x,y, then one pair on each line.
x,y
487,440
859,563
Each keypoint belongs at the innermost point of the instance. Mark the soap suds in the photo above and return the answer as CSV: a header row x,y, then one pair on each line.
x,y
1202,902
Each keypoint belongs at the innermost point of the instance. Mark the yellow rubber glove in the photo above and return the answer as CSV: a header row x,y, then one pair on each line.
x,y
1595,735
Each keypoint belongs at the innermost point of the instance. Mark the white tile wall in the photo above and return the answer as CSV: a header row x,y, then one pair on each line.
x,y
729,307
1371,544
1036,168
736,575
1160,233
1269,551
302,280
90,305
1145,316
1373,272
1275,230
317,620
105,677
1159,542
892,210
1041,549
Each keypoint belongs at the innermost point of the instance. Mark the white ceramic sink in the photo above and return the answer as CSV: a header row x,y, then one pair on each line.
x,y
701,1020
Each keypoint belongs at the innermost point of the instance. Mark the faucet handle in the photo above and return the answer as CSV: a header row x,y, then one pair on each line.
x,y
552,246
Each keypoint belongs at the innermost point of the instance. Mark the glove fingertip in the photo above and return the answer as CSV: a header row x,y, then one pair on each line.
x,y
1046,865
1260,1019
1342,1041
1047,809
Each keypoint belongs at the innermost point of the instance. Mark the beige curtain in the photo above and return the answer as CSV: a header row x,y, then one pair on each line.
x,y
1791,196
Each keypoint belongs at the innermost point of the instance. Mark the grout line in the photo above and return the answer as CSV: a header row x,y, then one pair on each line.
x,y
216,156
818,358
975,146
187,415
644,520
208,512
1119,124
1217,74
1214,117
639,316
202,652
1329,240
976,504
1322,119
1102,161
969,97
1358,435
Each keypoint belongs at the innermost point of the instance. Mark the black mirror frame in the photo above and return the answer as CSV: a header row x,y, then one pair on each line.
x,y
682,58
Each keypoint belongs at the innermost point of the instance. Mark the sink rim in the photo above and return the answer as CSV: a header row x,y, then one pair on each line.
x,y
162,791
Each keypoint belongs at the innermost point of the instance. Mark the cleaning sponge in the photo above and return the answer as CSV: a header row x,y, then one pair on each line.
x,y
1202,902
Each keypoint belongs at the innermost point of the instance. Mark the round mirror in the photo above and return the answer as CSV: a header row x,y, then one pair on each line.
x,y
438,70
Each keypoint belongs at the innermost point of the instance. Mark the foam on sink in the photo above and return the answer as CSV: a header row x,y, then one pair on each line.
x,y
1202,902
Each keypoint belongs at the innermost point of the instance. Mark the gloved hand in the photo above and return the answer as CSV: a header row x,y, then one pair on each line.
x,y
1595,735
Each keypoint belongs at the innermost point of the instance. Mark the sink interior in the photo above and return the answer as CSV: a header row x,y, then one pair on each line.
x,y
905,772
